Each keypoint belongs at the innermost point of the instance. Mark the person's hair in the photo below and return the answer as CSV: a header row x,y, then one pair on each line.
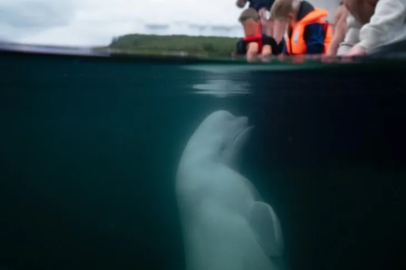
x,y
241,3
249,13
282,8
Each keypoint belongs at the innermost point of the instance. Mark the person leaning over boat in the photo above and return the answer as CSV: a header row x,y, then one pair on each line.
x,y
255,42
271,28
307,32
371,24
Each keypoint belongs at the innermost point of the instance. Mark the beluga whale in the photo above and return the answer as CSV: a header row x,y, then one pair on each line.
x,y
225,223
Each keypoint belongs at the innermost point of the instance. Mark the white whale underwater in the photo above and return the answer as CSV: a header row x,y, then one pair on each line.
x,y
225,224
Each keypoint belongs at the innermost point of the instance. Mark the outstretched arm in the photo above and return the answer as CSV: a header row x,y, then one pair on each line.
x,y
340,27
266,50
252,51
351,36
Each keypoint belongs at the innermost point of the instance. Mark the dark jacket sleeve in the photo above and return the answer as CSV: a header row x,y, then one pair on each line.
x,y
314,38
276,48
241,47
283,46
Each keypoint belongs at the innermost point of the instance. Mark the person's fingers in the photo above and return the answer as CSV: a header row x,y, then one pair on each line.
x,y
250,58
266,58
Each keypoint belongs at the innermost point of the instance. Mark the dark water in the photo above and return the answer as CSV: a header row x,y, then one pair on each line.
x,y
90,148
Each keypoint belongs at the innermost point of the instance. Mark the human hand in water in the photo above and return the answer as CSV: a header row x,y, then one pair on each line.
x,y
357,50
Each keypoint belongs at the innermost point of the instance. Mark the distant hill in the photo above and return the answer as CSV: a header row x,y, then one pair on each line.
x,y
175,45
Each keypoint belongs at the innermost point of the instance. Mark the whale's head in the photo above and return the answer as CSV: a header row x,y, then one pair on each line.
x,y
221,137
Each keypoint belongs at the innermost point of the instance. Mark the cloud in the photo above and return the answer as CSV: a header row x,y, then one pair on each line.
x,y
19,18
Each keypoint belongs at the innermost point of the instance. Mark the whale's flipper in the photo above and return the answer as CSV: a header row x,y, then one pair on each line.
x,y
267,229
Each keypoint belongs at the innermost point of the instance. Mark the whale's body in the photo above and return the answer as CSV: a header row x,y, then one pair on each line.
x,y
225,224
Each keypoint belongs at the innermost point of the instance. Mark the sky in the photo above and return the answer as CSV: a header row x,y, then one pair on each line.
x,y
96,22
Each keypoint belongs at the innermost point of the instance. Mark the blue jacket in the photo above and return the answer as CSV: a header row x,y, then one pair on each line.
x,y
313,33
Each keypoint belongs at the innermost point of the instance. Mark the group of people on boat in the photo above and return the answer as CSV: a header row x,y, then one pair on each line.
x,y
297,27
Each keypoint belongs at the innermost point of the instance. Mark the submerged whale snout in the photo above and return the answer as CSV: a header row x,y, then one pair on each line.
x,y
243,132
246,123
245,120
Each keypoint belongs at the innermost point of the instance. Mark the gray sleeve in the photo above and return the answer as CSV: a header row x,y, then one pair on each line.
x,y
351,36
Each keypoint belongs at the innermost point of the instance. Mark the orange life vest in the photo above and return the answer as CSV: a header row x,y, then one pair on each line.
x,y
257,37
295,43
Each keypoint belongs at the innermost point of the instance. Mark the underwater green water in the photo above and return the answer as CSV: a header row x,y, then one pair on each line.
x,y
90,148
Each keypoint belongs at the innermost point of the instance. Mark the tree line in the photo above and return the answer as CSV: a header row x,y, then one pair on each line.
x,y
175,44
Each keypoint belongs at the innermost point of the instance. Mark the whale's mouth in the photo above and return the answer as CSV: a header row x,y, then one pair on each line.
x,y
237,145
242,133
